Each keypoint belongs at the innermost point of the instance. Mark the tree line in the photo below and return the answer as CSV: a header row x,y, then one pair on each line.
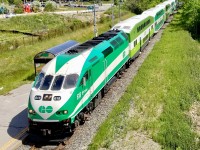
x,y
190,12
138,6
191,17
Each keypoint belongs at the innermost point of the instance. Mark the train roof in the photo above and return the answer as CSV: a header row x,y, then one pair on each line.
x,y
86,54
41,57
65,64
47,55
165,3
171,0
128,24
93,42
152,11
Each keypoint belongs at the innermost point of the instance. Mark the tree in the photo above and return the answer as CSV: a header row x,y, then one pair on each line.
x,y
50,6
18,6
18,2
36,6
138,6
191,17
4,1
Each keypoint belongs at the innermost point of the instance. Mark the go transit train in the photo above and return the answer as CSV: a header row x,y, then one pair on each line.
x,y
71,84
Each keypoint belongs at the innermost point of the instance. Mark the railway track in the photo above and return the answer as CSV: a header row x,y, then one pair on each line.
x,y
32,142
46,145
60,146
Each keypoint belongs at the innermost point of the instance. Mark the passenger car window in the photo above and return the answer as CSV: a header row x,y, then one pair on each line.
x,y
47,82
70,81
57,83
39,80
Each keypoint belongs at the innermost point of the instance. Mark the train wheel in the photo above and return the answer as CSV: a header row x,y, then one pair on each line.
x,y
74,126
76,123
91,107
128,63
97,99
80,118
118,75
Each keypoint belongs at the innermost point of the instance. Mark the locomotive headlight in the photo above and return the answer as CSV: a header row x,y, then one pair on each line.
x,y
65,112
37,97
57,98
62,112
31,111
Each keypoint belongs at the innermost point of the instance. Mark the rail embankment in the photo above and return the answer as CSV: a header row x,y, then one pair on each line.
x,y
157,109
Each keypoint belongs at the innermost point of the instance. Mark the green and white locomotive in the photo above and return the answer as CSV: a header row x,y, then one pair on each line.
x,y
75,81
71,83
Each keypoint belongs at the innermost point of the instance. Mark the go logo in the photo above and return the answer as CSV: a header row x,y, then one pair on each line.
x,y
43,109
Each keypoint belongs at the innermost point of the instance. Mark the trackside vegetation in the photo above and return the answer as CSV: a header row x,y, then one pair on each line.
x,y
191,17
37,24
157,101
33,28
17,65
138,6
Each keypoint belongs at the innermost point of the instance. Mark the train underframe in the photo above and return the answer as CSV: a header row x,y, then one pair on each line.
x,y
50,129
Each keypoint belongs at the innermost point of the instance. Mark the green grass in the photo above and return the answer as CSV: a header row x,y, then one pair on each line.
x,y
66,8
16,67
9,36
35,23
162,93
45,25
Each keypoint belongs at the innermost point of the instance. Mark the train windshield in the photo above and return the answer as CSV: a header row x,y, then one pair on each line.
x,y
70,81
47,82
39,80
57,83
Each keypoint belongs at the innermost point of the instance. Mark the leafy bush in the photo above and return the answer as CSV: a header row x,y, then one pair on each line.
x,y
36,6
4,1
18,7
115,10
18,3
138,6
50,6
191,17
104,18
4,9
18,10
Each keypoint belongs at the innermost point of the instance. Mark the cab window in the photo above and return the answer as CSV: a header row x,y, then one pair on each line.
x,y
57,83
86,76
47,82
70,81
39,80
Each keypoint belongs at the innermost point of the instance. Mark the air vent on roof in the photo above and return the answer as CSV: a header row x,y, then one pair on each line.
x,y
126,27
117,27
92,43
72,51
